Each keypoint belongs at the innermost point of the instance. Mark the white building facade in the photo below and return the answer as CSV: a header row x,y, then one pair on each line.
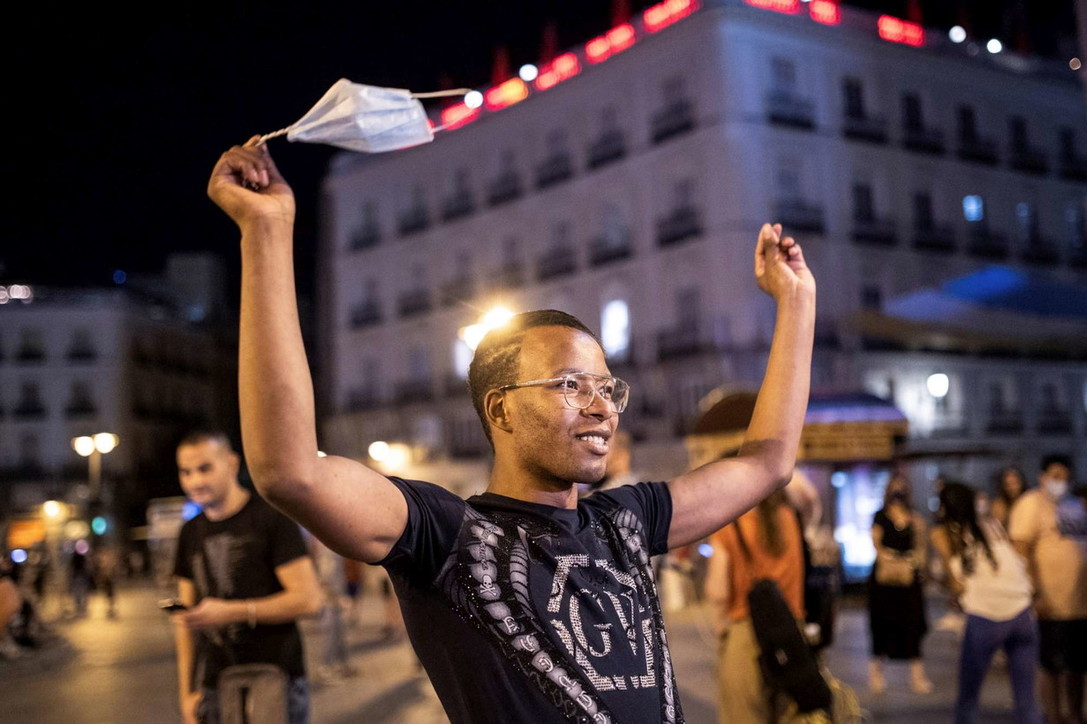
x,y
628,189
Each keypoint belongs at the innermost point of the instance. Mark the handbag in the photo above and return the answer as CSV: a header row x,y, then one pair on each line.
x,y
894,570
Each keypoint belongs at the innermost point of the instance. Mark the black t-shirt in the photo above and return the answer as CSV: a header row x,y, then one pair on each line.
x,y
522,612
235,559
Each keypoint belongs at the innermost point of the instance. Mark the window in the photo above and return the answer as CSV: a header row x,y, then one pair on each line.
x,y
973,208
614,230
854,98
787,179
689,308
418,364
1068,144
615,329
1077,233
1018,127
922,211
911,112
968,124
462,358
871,297
1026,222
783,75
863,209
556,142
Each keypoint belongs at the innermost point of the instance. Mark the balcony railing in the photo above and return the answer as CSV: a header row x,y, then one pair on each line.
x,y
411,391
1041,251
29,411
978,150
786,109
680,225
1054,422
924,140
365,237
934,237
554,170
1073,168
1005,423
413,221
675,119
687,341
504,188
362,400
872,129
604,250
80,409
82,354
799,215
987,244
608,148
556,262
30,355
1028,159
413,302
458,205
875,230
366,314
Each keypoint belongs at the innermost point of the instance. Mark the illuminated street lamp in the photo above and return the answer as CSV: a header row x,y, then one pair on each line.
x,y
473,334
93,447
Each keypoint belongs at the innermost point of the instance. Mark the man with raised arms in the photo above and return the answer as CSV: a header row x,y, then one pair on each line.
x,y
524,604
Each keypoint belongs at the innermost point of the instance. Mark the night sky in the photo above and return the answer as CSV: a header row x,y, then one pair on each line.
x,y
115,119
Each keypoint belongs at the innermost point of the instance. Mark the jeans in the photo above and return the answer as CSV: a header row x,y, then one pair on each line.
x,y
297,703
1019,639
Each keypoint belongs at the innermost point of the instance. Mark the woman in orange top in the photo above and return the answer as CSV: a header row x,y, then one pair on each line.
x,y
771,547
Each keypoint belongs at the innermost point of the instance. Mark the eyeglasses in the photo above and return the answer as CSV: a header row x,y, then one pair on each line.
x,y
579,388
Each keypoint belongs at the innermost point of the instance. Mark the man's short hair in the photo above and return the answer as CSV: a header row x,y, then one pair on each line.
x,y
497,356
1057,458
202,435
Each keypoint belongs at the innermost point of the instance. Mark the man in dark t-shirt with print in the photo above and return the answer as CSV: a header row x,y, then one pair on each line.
x,y
244,573
524,604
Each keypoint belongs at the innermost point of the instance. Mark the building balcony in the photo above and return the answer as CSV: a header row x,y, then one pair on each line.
x,y
82,355
604,250
987,244
80,409
1004,423
554,170
675,119
608,148
978,150
1028,160
29,411
504,189
1040,251
924,140
1054,422
413,302
458,205
556,262
872,129
934,237
413,221
509,276
366,314
365,237
1073,168
786,109
875,230
678,226
412,391
30,356
688,341
361,400
456,291
799,215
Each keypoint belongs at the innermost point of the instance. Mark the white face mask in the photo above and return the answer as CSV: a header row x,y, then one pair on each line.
x,y
1055,487
364,118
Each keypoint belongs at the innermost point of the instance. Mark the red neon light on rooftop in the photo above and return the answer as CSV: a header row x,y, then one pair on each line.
x,y
458,115
561,68
611,43
597,50
663,14
778,6
506,94
826,12
897,30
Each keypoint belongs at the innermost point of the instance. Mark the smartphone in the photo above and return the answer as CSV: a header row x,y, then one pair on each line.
x,y
172,605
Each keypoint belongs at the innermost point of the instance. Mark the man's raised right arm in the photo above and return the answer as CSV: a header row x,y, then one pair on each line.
x,y
354,510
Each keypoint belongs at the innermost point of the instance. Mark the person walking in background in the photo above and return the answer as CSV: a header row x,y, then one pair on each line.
x,y
1049,528
106,566
988,580
80,578
896,602
763,543
1010,485
353,588
11,601
245,578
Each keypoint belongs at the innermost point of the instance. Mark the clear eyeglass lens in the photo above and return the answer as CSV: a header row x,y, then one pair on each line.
x,y
610,389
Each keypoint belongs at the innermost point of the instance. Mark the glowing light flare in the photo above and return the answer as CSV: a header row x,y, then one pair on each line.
x,y
458,115
528,72
994,46
897,30
378,450
610,43
52,509
597,50
938,384
105,442
957,34
83,445
505,94
562,68
1075,64
826,12
473,99
663,14
778,6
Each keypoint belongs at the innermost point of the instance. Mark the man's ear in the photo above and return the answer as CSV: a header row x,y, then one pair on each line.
x,y
494,407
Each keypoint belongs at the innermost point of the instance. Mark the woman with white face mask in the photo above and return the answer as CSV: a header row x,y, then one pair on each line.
x,y
1049,528
988,581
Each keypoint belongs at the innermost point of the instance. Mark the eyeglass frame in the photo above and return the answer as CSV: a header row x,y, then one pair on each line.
x,y
565,390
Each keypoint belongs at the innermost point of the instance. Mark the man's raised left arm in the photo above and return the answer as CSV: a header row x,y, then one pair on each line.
x,y
715,494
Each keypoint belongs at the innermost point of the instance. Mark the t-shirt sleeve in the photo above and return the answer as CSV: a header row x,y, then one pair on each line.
x,y
652,504
434,519
1023,523
286,539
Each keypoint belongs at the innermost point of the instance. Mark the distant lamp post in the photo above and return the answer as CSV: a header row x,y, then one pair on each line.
x,y
938,385
93,447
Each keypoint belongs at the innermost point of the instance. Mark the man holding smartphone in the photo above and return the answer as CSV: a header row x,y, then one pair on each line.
x,y
244,579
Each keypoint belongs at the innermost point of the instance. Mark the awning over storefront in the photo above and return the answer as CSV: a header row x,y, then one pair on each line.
x,y
837,428
996,309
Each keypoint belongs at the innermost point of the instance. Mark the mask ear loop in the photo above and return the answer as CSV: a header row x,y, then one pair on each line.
x,y
430,94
